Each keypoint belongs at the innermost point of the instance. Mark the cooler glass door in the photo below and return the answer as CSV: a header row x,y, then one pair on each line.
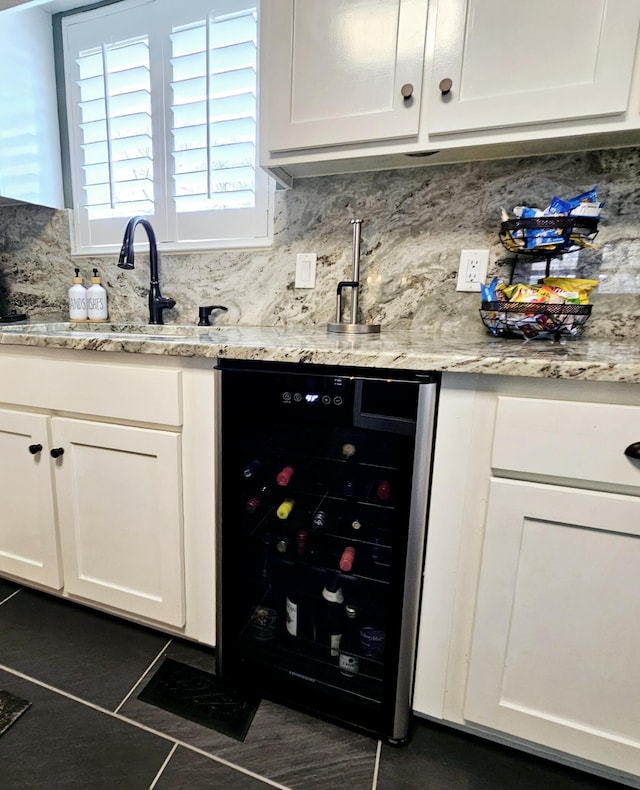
x,y
316,484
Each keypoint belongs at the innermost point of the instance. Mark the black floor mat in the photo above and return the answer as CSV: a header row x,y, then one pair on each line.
x,y
10,708
201,697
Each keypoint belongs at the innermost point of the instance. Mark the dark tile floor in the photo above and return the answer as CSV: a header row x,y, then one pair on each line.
x,y
87,730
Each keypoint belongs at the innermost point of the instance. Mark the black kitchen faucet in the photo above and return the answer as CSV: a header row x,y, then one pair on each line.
x,y
157,302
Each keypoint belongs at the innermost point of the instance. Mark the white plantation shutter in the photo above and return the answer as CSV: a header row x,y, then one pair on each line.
x,y
162,102
115,112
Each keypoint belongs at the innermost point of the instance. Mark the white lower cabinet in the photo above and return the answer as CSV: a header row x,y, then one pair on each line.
x,y
531,601
28,539
106,483
120,506
554,657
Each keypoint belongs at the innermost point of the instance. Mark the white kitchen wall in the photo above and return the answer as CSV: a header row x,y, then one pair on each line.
x,y
416,221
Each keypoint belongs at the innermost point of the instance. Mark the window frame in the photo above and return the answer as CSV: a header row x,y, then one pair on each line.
x,y
162,219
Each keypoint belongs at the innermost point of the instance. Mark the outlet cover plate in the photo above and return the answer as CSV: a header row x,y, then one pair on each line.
x,y
472,270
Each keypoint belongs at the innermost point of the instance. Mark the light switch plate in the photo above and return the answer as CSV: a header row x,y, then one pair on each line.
x,y
306,270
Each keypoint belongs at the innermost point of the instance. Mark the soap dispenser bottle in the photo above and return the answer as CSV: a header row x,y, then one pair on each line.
x,y
77,299
97,299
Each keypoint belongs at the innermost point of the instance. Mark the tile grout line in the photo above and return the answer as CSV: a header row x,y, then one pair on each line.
x,y
163,766
9,597
376,765
137,682
227,764
143,727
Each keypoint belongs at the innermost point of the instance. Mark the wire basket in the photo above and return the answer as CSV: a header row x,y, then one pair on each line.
x,y
558,235
532,320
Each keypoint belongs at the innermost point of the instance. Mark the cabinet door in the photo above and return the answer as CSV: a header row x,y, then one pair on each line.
x,y
120,509
556,641
30,169
513,63
332,72
28,542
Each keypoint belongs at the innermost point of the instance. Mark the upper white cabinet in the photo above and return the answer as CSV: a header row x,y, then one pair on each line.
x,y
340,71
482,78
501,63
30,165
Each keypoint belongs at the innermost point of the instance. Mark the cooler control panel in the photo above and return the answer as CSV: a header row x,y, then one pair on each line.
x,y
321,395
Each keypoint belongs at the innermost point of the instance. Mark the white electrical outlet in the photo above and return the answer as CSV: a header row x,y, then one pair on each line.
x,y
306,270
473,269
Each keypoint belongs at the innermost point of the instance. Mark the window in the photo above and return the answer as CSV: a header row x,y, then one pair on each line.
x,y
162,105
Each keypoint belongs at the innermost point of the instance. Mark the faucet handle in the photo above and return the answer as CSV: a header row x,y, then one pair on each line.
x,y
205,312
157,304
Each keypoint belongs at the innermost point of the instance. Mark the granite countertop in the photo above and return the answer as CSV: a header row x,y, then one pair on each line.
x,y
583,359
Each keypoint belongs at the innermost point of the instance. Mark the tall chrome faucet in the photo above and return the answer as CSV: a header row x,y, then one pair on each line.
x,y
157,302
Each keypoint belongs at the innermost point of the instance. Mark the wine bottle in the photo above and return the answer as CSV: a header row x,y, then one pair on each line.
x,y
348,450
264,617
283,545
372,641
267,542
347,558
319,519
283,478
292,613
330,621
251,469
292,604
298,606
376,549
258,500
285,508
301,543
349,658
384,490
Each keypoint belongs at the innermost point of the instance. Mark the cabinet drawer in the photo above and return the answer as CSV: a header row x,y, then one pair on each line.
x,y
568,440
121,392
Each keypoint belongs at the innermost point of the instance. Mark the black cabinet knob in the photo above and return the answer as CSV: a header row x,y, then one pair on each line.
x,y
57,452
34,449
633,450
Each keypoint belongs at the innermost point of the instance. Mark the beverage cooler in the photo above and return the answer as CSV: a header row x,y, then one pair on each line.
x,y
323,486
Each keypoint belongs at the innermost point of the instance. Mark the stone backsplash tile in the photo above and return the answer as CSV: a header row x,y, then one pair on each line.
x,y
415,222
